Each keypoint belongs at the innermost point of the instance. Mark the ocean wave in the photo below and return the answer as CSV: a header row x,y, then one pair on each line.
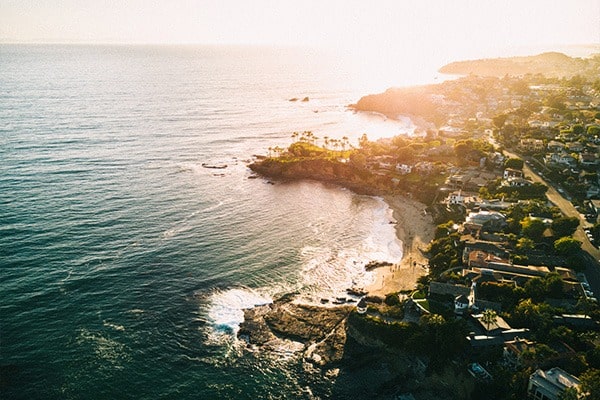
x,y
226,311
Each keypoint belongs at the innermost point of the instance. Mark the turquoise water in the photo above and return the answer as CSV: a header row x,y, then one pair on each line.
x,y
124,263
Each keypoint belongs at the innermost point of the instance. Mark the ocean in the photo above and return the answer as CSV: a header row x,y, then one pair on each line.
x,y
125,263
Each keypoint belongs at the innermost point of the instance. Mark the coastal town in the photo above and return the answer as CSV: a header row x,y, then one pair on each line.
x,y
499,299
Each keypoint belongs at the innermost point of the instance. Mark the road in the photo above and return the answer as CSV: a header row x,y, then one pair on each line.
x,y
592,270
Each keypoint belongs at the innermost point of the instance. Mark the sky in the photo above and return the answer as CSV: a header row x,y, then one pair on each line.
x,y
454,26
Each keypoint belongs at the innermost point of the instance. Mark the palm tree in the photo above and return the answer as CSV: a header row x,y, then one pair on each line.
x,y
335,143
325,141
295,136
345,142
489,317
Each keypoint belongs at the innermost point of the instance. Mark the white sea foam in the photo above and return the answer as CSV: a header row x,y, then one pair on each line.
x,y
226,311
328,270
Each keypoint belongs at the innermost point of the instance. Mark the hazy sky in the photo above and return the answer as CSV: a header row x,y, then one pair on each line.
x,y
348,24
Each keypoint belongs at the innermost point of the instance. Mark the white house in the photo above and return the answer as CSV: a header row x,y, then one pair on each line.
x,y
456,198
516,182
403,169
551,384
512,173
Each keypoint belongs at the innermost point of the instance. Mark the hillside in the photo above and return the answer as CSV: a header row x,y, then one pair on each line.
x,y
551,64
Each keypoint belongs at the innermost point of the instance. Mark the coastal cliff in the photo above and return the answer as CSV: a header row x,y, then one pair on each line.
x,y
366,357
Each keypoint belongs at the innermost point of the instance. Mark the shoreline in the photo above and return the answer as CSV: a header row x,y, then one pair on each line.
x,y
415,229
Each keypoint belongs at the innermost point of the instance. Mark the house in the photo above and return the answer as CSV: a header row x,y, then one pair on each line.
x,y
516,182
403,169
493,328
575,146
451,131
490,221
551,384
555,147
512,173
513,351
588,159
576,321
532,145
481,259
561,159
592,192
457,181
497,159
494,249
424,167
442,288
456,198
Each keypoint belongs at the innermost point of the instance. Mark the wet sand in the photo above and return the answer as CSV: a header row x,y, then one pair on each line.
x,y
415,229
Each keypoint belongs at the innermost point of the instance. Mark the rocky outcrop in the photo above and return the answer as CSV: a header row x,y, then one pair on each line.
x,y
321,330
395,102
358,180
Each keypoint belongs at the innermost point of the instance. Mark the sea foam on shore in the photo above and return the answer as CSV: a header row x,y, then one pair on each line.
x,y
331,261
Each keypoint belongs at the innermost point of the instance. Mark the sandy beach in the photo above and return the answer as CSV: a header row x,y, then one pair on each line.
x,y
415,229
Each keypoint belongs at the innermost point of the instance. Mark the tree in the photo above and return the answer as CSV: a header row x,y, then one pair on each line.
x,y
564,226
499,120
444,230
524,244
532,228
570,393
567,246
590,384
553,285
528,314
489,317
514,163
578,129
363,141
593,130
535,289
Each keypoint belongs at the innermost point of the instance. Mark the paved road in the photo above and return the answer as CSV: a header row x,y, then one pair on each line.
x,y
592,271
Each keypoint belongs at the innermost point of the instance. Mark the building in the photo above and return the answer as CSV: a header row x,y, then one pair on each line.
x,y
403,169
513,351
516,182
532,145
512,173
456,198
551,384
490,221
555,146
